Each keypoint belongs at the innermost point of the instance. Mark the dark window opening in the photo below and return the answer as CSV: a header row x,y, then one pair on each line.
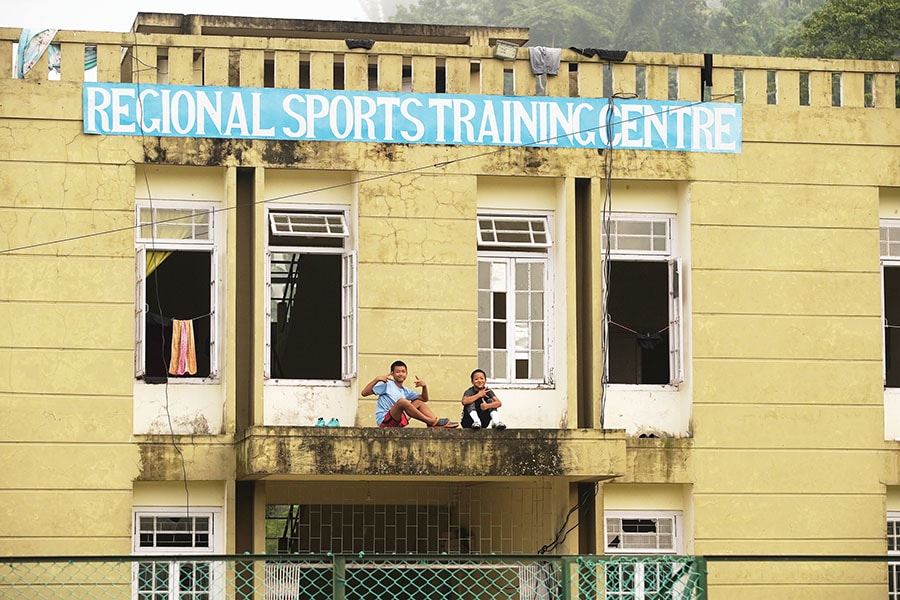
x,y
440,79
892,326
179,288
306,316
638,322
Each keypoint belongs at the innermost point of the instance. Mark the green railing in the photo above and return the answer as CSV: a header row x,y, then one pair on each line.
x,y
363,577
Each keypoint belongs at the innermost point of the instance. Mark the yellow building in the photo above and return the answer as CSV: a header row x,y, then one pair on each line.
x,y
668,265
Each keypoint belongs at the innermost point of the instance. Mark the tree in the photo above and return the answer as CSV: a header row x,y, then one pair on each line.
x,y
720,26
859,29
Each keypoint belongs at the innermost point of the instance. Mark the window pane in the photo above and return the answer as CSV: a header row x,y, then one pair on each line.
x,y
499,306
484,275
523,272
523,336
521,306
521,368
498,277
499,341
484,359
484,305
537,336
484,334
500,365
537,365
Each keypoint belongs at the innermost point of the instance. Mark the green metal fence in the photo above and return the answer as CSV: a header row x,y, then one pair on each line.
x,y
342,577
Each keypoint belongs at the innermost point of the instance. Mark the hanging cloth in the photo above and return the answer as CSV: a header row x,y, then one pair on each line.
x,y
184,352
33,43
544,61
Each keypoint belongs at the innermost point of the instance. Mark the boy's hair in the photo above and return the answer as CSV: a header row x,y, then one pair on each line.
x,y
472,376
398,363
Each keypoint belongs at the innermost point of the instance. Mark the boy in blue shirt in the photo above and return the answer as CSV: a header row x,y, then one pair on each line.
x,y
397,403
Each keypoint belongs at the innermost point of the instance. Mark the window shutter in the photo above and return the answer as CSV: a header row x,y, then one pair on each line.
x,y
348,316
295,224
213,315
267,302
520,232
676,331
140,310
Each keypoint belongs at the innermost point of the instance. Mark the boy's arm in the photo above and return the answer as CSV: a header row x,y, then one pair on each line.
x,y
423,395
467,400
368,391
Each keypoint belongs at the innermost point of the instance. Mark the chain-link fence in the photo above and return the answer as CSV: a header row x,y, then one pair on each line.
x,y
342,577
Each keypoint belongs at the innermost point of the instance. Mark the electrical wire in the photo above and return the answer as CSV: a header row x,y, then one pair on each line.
x,y
436,165
162,354
606,210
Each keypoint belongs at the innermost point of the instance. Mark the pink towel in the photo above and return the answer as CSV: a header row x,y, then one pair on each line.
x,y
184,353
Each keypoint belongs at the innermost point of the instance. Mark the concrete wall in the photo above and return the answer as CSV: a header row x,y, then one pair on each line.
x,y
783,411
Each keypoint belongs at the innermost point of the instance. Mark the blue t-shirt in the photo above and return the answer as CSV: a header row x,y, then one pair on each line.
x,y
388,394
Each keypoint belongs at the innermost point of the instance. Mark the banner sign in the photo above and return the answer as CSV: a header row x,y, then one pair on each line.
x,y
406,118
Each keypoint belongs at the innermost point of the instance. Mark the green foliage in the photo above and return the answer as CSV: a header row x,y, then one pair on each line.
x,y
860,29
866,29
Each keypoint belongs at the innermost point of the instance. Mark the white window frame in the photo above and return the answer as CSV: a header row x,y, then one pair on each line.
x,y
216,590
893,522
531,249
622,515
348,285
144,243
667,254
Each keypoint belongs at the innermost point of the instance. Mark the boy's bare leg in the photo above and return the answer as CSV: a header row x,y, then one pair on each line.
x,y
415,409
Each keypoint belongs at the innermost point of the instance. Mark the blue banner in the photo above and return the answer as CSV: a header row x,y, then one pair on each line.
x,y
406,118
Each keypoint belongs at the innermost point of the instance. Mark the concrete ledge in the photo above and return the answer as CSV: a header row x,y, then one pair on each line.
x,y
580,454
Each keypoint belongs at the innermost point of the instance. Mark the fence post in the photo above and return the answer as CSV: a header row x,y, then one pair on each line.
x,y
566,578
701,579
338,577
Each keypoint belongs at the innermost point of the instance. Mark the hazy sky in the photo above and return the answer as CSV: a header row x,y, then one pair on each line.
x,y
118,15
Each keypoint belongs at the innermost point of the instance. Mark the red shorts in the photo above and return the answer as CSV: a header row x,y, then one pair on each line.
x,y
389,421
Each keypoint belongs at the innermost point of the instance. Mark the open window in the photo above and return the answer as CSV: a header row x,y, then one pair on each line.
x,y
893,546
172,532
890,283
311,282
642,284
514,298
175,292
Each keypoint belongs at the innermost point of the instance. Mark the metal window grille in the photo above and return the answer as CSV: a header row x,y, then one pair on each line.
x,y
435,520
641,534
889,235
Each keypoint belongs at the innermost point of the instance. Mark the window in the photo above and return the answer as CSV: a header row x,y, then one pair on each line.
x,y
311,282
893,545
633,532
175,284
514,298
171,532
642,283
890,283
641,533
